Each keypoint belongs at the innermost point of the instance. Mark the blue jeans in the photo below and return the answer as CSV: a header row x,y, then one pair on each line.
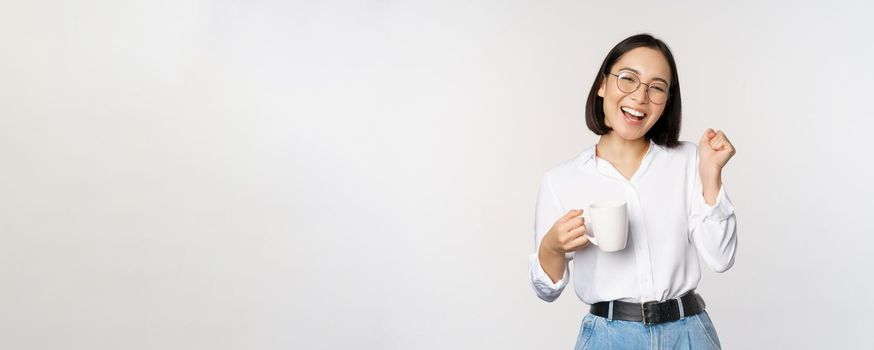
x,y
692,332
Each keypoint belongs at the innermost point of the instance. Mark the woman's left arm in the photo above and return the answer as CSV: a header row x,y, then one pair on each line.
x,y
713,226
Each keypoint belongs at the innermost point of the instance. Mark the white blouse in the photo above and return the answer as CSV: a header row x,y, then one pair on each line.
x,y
669,225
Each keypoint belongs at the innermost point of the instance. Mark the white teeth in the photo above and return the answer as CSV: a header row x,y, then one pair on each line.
x,y
633,112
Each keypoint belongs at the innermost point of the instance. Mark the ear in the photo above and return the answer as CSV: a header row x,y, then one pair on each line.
x,y
602,87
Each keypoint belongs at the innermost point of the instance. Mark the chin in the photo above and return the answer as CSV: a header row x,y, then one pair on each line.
x,y
629,135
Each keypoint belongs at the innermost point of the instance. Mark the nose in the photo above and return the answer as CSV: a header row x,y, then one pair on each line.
x,y
639,95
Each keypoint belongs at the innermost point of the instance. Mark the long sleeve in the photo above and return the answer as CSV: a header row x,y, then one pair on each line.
x,y
547,211
713,229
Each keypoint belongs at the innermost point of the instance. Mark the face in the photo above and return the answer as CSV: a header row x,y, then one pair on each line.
x,y
621,108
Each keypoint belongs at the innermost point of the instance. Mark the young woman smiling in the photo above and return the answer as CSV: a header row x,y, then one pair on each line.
x,y
643,296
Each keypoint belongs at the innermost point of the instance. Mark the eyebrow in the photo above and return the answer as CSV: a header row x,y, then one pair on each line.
x,y
638,73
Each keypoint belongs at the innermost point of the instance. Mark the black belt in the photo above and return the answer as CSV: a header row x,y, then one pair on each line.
x,y
651,312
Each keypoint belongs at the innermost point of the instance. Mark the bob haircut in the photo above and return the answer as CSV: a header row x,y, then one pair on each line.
x,y
666,131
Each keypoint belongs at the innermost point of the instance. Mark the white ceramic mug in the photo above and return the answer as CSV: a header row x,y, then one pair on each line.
x,y
608,220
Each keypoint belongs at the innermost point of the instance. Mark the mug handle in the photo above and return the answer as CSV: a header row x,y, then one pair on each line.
x,y
586,220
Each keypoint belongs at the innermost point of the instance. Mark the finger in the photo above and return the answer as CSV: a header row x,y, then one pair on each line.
x,y
716,139
724,141
570,215
718,136
729,146
573,223
707,136
720,142
579,231
578,243
717,145
713,142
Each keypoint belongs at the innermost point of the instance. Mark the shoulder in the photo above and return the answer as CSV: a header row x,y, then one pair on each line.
x,y
686,148
684,155
573,165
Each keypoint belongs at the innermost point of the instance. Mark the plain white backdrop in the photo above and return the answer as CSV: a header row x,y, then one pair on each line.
x,y
362,174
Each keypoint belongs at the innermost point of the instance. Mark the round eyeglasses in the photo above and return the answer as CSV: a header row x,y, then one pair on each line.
x,y
628,82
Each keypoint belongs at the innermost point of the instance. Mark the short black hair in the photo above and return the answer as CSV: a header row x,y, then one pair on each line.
x,y
666,131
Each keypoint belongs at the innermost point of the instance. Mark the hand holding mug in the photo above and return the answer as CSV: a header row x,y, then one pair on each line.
x,y
567,234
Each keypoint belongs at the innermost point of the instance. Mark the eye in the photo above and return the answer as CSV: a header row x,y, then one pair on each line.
x,y
659,88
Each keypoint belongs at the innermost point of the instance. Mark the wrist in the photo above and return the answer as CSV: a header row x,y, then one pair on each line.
x,y
547,249
710,172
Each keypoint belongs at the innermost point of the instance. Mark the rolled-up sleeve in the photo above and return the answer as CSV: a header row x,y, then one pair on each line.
x,y
548,210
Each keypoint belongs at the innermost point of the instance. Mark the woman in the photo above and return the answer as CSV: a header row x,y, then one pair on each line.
x,y
641,297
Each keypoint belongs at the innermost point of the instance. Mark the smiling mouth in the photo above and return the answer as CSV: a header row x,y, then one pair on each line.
x,y
632,113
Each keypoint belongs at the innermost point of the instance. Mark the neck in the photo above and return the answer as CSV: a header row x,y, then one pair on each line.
x,y
615,148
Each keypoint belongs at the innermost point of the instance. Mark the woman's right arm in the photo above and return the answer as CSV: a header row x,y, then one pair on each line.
x,y
556,237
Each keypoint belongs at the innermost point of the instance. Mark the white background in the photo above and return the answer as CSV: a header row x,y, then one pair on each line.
x,y
362,174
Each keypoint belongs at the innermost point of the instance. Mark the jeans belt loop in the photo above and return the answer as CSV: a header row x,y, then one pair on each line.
x,y
610,312
680,304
